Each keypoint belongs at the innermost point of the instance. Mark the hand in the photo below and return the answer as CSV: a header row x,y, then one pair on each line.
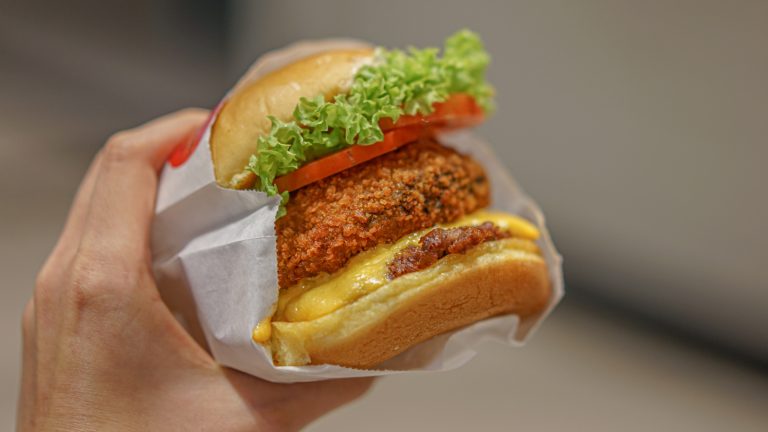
x,y
103,352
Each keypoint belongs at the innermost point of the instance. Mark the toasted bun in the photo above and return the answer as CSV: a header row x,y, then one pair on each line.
x,y
243,118
500,277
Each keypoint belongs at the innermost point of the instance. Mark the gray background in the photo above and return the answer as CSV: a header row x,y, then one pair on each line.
x,y
639,126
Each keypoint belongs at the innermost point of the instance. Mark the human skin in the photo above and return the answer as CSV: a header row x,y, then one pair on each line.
x,y
102,352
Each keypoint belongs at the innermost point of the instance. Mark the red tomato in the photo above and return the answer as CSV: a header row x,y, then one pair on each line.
x,y
459,110
343,159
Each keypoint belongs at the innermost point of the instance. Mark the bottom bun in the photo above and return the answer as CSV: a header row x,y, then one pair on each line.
x,y
498,277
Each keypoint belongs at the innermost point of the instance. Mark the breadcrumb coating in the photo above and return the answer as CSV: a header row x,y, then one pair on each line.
x,y
412,188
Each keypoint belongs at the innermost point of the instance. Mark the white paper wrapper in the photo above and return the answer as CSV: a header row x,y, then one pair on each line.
x,y
215,261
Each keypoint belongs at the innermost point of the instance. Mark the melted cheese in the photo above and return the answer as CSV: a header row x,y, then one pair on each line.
x,y
321,295
263,330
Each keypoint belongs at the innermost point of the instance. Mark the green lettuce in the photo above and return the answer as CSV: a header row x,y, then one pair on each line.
x,y
398,82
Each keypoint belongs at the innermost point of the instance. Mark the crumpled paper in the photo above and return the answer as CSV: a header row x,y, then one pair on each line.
x,y
215,262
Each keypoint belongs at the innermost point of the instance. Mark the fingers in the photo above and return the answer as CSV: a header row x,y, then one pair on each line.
x,y
105,239
122,202
108,224
25,418
70,236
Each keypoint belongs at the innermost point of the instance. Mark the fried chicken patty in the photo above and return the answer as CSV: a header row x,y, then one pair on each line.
x,y
412,188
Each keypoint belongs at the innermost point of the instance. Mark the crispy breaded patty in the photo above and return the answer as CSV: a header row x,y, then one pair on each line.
x,y
412,188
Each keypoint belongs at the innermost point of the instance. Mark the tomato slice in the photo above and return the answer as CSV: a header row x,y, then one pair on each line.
x,y
458,111
349,157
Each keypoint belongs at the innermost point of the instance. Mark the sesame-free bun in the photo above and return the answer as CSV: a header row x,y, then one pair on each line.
x,y
243,117
498,277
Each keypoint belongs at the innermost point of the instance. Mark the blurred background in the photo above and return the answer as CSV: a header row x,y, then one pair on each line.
x,y
640,127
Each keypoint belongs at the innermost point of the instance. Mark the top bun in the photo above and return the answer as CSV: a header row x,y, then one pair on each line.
x,y
243,118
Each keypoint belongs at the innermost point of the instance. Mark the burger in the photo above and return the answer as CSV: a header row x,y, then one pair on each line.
x,y
384,237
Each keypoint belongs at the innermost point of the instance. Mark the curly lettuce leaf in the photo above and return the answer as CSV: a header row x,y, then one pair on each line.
x,y
399,82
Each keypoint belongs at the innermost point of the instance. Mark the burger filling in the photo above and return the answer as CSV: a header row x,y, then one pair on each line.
x,y
415,187
315,297
349,234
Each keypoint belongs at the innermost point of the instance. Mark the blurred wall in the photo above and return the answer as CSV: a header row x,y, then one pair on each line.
x,y
639,126
91,67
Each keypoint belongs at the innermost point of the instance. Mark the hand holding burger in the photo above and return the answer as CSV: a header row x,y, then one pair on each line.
x,y
101,350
